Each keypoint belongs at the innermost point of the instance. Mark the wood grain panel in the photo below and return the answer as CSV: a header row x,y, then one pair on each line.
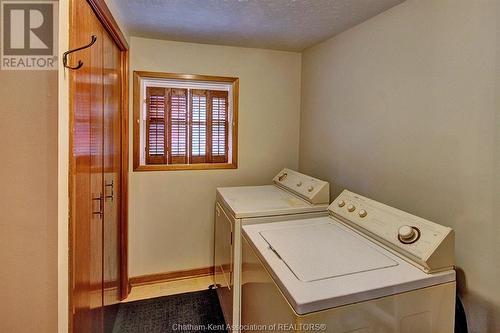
x,y
98,123
83,182
124,94
112,170
79,169
96,176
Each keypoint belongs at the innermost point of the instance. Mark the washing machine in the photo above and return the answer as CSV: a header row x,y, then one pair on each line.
x,y
292,195
365,268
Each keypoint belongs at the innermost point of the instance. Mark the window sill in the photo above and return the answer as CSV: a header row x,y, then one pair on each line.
x,y
178,167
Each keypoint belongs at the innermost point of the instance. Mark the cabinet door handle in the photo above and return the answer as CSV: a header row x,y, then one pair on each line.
x,y
112,186
101,206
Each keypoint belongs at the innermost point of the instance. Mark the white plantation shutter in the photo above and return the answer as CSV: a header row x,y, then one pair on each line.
x,y
155,126
178,129
199,109
219,126
186,126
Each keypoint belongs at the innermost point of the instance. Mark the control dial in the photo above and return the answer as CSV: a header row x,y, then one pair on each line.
x,y
310,188
408,234
299,184
362,213
341,203
351,207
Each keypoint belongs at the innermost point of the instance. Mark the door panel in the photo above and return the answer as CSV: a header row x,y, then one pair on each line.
x,y
112,170
81,205
96,176
84,177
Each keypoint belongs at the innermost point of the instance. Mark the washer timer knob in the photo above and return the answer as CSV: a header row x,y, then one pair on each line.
x,y
310,189
351,208
299,183
362,213
341,203
406,232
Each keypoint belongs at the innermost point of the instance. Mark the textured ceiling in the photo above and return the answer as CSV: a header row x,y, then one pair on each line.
x,y
276,24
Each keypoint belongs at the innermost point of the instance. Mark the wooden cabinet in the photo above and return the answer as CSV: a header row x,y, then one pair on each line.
x,y
97,171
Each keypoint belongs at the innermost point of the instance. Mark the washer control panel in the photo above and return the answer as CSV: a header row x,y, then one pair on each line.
x,y
311,189
428,244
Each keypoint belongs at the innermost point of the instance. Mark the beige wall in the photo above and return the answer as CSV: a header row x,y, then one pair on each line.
x,y
404,109
63,172
28,201
171,212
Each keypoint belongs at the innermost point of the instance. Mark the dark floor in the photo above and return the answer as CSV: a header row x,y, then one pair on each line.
x,y
190,312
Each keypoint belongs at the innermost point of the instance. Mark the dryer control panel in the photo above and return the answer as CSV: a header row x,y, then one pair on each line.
x,y
311,189
429,245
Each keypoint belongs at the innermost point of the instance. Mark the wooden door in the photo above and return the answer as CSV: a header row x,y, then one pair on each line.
x,y
86,185
96,176
112,170
96,171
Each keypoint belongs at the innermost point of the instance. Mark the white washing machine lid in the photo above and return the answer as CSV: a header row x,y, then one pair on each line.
x,y
313,291
265,200
322,251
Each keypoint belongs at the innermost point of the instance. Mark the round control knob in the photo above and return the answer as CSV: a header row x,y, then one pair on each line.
x,y
299,184
310,189
362,213
341,203
406,232
351,208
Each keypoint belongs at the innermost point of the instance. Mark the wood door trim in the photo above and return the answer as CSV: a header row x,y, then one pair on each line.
x,y
108,21
171,276
125,289
183,76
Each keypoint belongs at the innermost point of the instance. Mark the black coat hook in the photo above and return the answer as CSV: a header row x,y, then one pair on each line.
x,y
80,63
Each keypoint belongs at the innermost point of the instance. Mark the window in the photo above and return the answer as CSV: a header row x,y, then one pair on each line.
x,y
184,121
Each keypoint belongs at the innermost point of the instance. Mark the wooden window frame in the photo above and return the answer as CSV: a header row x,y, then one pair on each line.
x,y
139,76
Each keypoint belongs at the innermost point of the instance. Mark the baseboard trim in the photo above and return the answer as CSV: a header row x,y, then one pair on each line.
x,y
170,276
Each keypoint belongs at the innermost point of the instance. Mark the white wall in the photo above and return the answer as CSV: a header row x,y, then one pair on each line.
x,y
404,109
171,212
